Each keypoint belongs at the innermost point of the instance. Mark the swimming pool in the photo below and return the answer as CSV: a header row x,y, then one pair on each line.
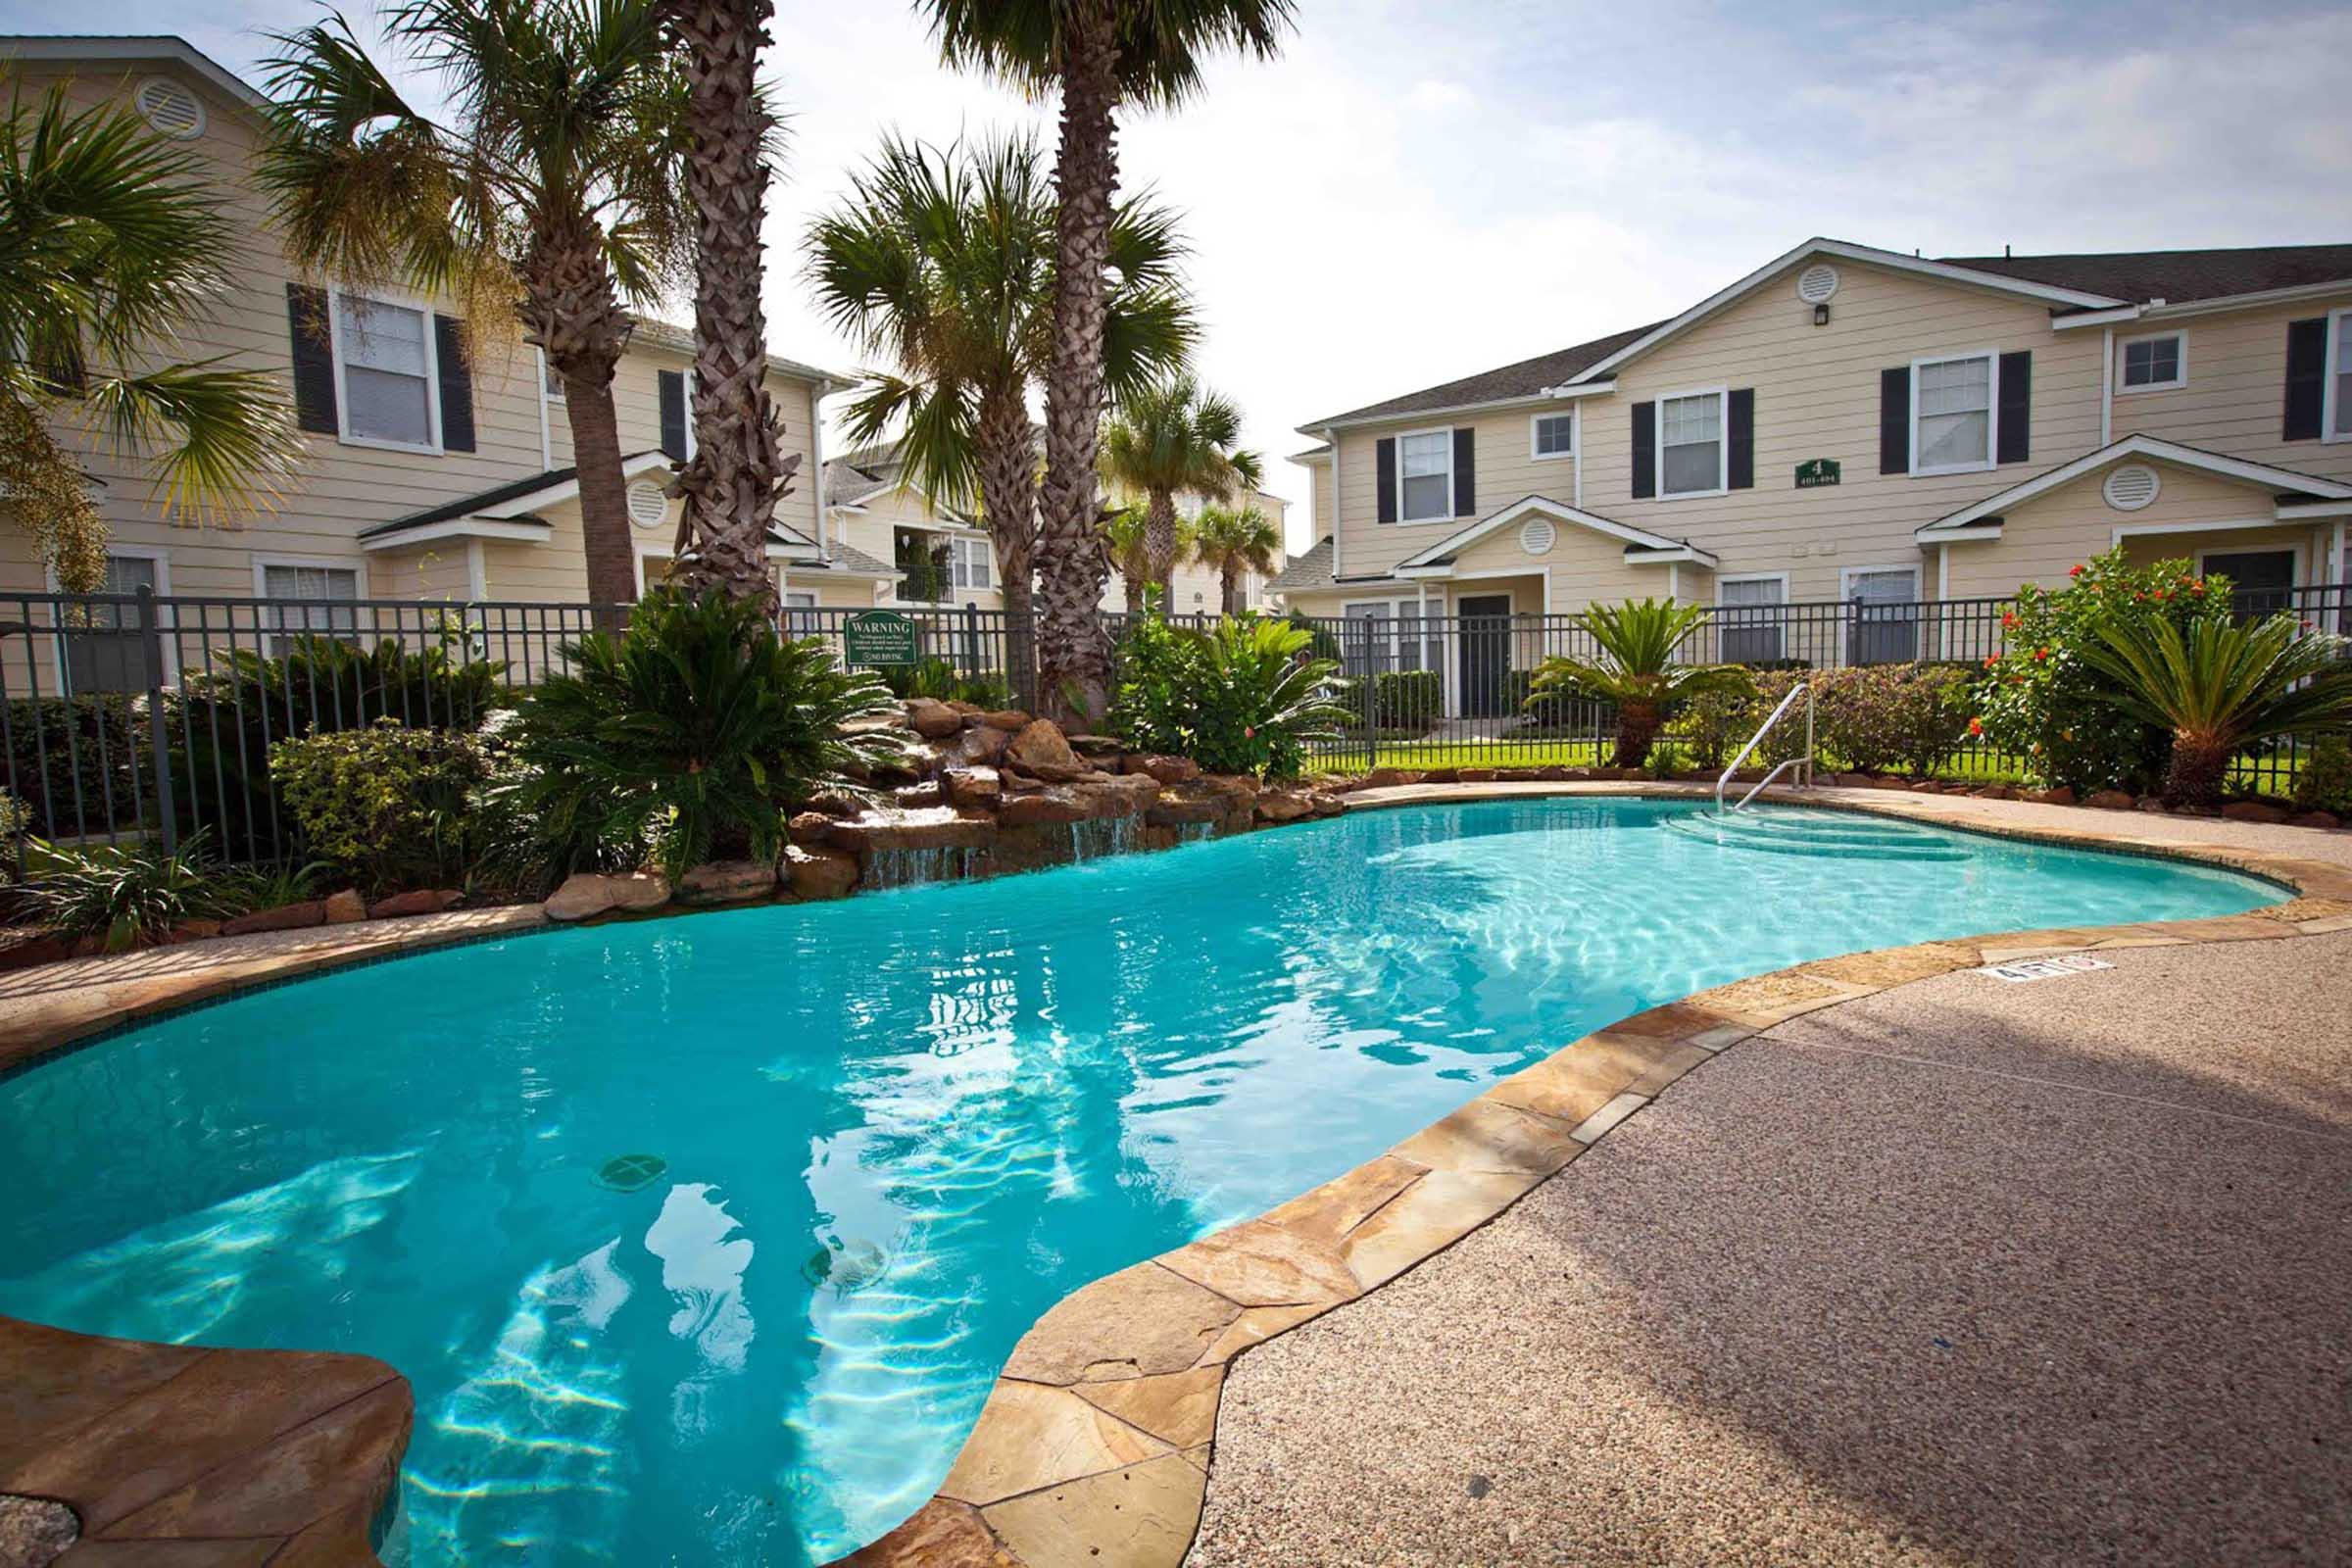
x,y
890,1133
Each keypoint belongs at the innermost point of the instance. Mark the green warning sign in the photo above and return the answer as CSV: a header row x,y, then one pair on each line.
x,y
878,637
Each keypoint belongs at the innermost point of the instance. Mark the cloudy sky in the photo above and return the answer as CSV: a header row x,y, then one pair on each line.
x,y
1417,190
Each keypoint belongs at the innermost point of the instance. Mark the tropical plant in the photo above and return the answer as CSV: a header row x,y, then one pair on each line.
x,y
688,735
1169,439
386,805
2323,783
555,189
1127,535
1093,55
1635,670
2044,700
1232,541
128,894
738,472
1712,724
1243,697
113,247
936,678
940,264
2220,688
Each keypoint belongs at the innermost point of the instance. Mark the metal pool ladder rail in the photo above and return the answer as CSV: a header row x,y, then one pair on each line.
x,y
1803,764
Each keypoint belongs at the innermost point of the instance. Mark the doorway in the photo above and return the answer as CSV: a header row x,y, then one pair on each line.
x,y
2262,582
1486,622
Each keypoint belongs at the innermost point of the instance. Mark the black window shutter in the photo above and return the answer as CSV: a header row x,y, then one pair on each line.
x,y
1741,460
1894,419
1465,471
314,359
457,385
2306,377
1646,450
1384,458
2012,434
674,415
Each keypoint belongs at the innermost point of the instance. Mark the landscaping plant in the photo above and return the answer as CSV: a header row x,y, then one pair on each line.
x,y
2220,687
2044,699
388,806
936,678
686,737
130,894
1175,437
1243,697
2325,783
1716,723
1888,718
1635,670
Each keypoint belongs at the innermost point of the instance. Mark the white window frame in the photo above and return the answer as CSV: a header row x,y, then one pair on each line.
x,y
1449,515
433,368
1535,443
1845,595
1722,581
687,380
2123,347
1398,610
551,385
2331,362
1993,419
962,545
2291,546
1723,441
165,621
268,634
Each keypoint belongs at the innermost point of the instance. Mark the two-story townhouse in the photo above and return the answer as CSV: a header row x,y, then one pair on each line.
x,y
1859,427
424,475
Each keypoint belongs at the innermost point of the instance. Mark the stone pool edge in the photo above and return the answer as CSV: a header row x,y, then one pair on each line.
x,y
1095,1442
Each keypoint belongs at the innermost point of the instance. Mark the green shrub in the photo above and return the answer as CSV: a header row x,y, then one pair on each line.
x,y
131,894
1715,723
936,678
1322,641
1243,697
1406,699
386,805
2045,698
685,738
1884,717
2325,783
1668,759
57,744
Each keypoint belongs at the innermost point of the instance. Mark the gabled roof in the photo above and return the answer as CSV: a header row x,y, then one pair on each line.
x,y
1308,572
1527,379
1981,519
1445,551
512,502
130,49
2177,276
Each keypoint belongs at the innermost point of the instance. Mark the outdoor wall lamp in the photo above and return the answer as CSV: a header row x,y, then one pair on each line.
x,y
1821,314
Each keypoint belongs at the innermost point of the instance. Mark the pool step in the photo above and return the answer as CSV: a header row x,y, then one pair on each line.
x,y
1820,833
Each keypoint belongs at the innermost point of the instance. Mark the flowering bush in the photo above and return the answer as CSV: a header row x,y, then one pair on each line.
x,y
2045,701
1883,717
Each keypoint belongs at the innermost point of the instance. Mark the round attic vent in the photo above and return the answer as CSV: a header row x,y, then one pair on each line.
x,y
2132,487
1816,283
1537,536
647,506
171,108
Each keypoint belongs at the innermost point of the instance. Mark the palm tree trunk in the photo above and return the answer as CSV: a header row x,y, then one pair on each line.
x,y
1160,546
738,472
1229,589
573,312
1636,730
603,495
1075,653
1008,506
1132,591
2198,769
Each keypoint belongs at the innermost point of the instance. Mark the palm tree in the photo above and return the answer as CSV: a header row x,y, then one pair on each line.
x,y
2221,687
1127,534
1095,54
1175,439
738,472
940,264
112,246
1635,670
555,191
1235,540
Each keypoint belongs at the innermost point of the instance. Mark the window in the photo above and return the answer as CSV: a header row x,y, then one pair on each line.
x,y
1553,435
384,365
549,383
969,559
292,580
2339,397
1425,476
2262,582
1951,419
1750,617
1882,612
800,614
1690,448
109,653
1385,635
2153,364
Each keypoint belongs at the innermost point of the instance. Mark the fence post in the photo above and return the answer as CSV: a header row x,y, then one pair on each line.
x,y
151,647
971,637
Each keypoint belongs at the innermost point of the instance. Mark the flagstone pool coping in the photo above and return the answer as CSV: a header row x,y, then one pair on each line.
x,y
1094,1445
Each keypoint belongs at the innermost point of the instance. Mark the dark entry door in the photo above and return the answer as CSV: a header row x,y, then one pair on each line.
x,y
1485,622
2261,582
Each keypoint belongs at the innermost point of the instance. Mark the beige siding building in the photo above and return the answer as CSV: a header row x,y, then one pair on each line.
x,y
1855,427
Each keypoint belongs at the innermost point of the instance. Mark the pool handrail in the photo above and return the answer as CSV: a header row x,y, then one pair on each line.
x,y
1804,764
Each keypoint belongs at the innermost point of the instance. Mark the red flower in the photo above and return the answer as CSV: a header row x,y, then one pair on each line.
x,y
1976,726
2164,592
2008,620
2041,654
1250,732
2074,570
1992,659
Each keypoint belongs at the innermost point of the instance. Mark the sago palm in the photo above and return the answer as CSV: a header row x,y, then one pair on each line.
x,y
1175,438
738,472
1230,541
939,264
1635,668
113,247
2222,686
554,191
1095,55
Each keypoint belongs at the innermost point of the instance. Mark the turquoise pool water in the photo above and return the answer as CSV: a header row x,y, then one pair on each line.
x,y
892,1132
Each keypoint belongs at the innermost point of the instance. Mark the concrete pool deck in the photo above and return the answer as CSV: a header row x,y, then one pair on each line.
x,y
1965,1271
1098,1442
